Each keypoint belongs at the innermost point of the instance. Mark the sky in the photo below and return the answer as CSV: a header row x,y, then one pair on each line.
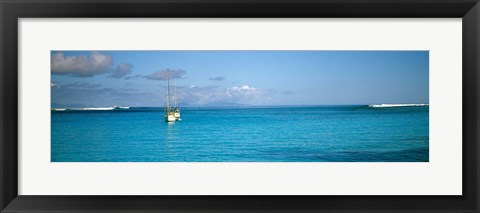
x,y
220,78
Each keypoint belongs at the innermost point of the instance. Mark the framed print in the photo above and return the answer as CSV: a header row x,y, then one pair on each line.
x,y
225,106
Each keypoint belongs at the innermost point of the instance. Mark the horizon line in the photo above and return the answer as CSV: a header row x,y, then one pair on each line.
x,y
288,105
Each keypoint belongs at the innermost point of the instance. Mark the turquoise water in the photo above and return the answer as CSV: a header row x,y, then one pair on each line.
x,y
274,134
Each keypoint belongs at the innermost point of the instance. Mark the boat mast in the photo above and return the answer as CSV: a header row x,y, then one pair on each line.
x,y
175,94
168,93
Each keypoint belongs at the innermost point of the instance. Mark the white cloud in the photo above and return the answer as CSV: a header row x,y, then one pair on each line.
x,y
80,66
199,95
245,93
218,78
79,85
214,95
121,70
135,76
163,75
83,94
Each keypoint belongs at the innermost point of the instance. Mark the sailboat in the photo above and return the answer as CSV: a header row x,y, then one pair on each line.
x,y
176,110
169,114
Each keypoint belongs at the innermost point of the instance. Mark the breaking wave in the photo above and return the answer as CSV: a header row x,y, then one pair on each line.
x,y
99,108
91,108
59,109
396,105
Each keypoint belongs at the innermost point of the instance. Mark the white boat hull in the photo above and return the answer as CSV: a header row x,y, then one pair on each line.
x,y
169,118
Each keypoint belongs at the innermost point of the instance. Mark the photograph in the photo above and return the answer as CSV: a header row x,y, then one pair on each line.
x,y
239,106
227,106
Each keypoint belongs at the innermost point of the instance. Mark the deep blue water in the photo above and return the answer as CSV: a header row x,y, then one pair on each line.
x,y
275,134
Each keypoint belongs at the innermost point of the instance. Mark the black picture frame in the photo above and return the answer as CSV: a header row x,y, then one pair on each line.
x,y
12,10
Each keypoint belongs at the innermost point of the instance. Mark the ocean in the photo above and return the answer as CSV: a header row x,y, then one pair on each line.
x,y
357,133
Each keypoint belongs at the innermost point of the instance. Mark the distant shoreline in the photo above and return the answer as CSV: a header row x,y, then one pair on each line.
x,y
236,107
